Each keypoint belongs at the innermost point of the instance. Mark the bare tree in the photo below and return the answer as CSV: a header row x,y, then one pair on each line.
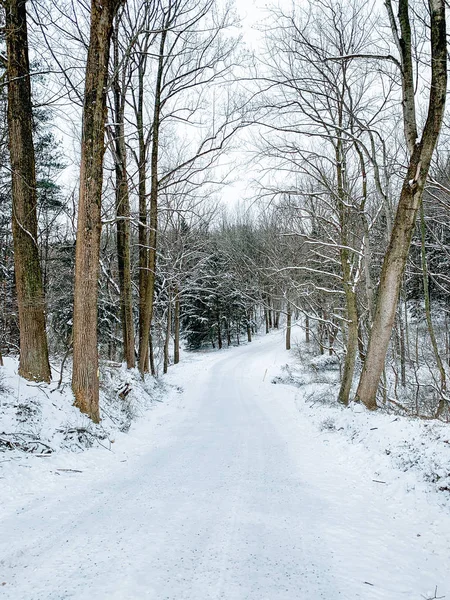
x,y
421,152
122,193
320,110
85,379
192,54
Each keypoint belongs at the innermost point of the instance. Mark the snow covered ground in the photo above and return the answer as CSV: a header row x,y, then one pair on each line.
x,y
234,488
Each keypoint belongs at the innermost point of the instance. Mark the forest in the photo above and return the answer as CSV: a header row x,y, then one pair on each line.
x,y
340,121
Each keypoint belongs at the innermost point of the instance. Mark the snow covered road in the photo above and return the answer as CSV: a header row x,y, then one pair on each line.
x,y
229,493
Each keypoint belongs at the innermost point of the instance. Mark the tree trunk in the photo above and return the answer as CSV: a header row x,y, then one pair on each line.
x,y
431,333
176,349
411,195
142,193
307,329
85,378
402,348
288,325
123,217
321,335
361,348
151,271
249,330
167,338
151,356
348,283
219,332
447,341
34,364
352,345
276,317
266,319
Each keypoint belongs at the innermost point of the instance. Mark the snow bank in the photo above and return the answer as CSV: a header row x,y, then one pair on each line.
x,y
41,419
408,452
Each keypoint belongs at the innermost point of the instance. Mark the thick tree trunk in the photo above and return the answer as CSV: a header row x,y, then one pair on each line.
x,y
411,195
85,378
34,364
288,325
123,218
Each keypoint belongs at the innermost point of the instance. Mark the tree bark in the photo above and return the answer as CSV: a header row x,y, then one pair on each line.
x,y
85,378
288,325
307,329
34,364
176,343
269,312
219,332
411,195
151,356
276,315
266,319
123,217
167,338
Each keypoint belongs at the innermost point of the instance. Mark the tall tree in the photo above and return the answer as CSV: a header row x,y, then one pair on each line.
x,y
148,287
85,378
34,364
421,152
123,205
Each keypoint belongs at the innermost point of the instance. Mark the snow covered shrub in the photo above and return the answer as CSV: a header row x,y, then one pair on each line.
x,y
322,393
324,362
28,411
289,377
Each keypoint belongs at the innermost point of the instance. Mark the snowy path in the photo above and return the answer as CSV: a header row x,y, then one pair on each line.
x,y
228,495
